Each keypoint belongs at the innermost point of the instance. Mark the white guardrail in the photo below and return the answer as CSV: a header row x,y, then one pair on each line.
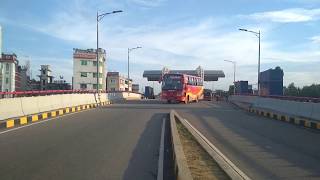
x,y
308,110
22,106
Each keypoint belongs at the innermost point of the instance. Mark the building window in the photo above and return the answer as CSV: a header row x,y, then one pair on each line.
x,y
94,63
83,74
7,80
94,75
94,86
83,86
84,62
7,67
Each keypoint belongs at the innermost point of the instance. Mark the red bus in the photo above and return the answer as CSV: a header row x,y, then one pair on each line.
x,y
181,88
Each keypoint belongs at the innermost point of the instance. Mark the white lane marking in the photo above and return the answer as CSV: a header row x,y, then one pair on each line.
x,y
161,151
41,121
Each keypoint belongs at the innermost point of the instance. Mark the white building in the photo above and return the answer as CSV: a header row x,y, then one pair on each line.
x,y
0,40
85,69
116,82
8,65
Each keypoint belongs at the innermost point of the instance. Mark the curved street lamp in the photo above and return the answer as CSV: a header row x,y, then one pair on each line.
x,y
129,50
234,75
258,34
99,18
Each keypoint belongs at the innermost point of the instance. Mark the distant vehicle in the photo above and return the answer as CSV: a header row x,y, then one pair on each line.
x,y
181,88
207,94
148,92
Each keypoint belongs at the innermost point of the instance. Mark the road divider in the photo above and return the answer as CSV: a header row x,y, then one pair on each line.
x,y
306,114
300,121
226,169
23,120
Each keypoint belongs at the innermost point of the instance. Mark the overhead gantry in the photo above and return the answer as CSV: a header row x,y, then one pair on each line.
x,y
207,75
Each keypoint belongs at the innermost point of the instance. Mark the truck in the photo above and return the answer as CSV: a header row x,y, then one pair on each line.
x,y
148,92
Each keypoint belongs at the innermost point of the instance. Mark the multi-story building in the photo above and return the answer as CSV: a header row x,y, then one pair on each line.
x,y
0,40
135,88
271,82
85,69
45,77
8,67
116,82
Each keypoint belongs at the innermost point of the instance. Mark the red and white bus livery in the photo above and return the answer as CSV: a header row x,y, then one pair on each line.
x,y
181,88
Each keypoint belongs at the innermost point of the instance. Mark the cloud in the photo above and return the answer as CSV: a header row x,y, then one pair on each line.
x,y
148,3
315,39
180,45
293,15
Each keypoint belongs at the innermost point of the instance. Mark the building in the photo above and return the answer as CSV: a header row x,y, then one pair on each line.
x,y
242,87
24,79
135,88
45,77
271,82
8,67
0,40
85,69
116,82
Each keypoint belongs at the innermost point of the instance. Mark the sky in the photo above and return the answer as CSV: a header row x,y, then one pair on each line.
x,y
178,34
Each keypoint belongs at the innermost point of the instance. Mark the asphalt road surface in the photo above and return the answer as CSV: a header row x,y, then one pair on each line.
x,y
114,142
122,141
261,147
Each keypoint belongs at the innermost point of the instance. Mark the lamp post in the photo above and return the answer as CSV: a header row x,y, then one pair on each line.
x,y
234,75
99,18
129,50
258,34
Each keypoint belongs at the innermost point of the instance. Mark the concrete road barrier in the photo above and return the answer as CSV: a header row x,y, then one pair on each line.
x,y
300,113
232,171
180,162
23,106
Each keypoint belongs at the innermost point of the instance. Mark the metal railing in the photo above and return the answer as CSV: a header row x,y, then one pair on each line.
x,y
52,92
290,98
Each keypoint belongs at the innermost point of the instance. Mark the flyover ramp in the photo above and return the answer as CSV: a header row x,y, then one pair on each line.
x,y
119,142
122,141
260,147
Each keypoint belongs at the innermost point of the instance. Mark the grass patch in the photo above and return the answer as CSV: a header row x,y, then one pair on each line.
x,y
200,163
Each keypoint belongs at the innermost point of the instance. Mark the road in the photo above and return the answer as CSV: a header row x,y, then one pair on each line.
x,y
122,141
263,148
115,142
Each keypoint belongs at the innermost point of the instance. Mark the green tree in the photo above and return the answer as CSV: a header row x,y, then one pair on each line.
x,y
291,90
311,91
231,87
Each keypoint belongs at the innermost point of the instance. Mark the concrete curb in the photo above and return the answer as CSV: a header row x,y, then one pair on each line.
x,y
181,169
300,121
23,120
226,165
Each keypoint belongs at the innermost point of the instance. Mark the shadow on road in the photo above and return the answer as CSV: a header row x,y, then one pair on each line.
x,y
144,159
257,140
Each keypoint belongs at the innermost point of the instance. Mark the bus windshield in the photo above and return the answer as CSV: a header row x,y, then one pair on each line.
x,y
173,82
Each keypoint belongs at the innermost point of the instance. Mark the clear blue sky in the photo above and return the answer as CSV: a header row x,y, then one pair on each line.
x,y
180,34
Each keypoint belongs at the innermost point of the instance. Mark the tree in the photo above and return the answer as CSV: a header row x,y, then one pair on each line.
x,y
311,91
231,87
291,90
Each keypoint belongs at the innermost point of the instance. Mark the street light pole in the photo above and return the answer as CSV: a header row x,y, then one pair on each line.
x,y
258,34
99,18
129,50
234,75
97,52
